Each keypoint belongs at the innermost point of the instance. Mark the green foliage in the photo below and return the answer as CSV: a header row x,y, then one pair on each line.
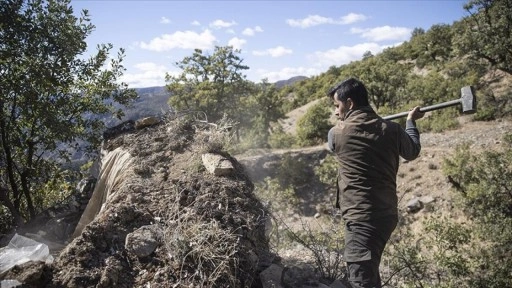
x,y
474,253
327,171
484,182
280,139
291,171
447,242
271,191
483,185
491,107
281,188
439,121
306,91
436,257
326,245
6,220
263,108
384,79
487,33
405,261
50,95
214,84
56,190
314,125
431,89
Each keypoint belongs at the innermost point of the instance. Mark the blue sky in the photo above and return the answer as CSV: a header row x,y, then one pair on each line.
x,y
278,39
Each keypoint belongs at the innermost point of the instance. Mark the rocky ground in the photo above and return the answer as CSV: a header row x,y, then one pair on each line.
x,y
171,223
420,182
166,220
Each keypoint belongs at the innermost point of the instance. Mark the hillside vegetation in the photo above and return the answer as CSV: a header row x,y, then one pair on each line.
x,y
467,247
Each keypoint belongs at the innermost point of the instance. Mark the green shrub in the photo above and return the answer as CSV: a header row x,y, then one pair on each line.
x,y
313,126
272,192
483,185
280,139
326,245
291,171
439,121
327,171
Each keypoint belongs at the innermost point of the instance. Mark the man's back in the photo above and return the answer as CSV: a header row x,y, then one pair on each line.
x,y
367,148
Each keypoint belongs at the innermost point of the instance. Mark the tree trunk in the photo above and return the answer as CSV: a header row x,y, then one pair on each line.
x,y
4,200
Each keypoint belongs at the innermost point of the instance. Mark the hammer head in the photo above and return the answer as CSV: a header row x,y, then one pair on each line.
x,y
468,100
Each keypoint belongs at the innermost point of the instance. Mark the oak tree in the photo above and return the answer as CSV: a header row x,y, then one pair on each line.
x,y
49,94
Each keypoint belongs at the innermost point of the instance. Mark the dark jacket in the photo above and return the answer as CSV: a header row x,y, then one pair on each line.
x,y
368,149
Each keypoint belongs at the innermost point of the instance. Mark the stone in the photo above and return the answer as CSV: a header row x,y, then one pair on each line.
x,y
338,284
146,122
414,205
143,241
271,277
217,165
427,199
295,276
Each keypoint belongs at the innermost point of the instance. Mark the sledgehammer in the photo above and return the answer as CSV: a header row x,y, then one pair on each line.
x,y
468,101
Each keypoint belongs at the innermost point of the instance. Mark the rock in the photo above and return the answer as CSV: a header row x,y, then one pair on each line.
x,y
296,277
268,227
319,285
143,241
146,122
271,277
414,205
31,274
428,203
217,165
125,127
427,200
338,284
86,186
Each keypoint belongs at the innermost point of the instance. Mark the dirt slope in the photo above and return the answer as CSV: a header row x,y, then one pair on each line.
x,y
168,222
418,178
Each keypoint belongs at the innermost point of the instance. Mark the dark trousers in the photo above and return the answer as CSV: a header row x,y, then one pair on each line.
x,y
364,244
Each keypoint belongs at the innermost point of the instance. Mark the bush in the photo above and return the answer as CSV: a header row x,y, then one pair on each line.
x,y
313,126
280,139
483,185
272,192
439,121
327,171
434,257
326,245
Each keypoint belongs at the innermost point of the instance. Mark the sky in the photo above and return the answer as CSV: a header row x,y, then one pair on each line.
x,y
277,39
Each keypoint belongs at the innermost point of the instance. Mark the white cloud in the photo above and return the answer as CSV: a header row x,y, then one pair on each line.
x,y
180,39
147,74
352,18
314,20
273,52
195,23
345,54
218,24
165,20
383,33
230,31
286,73
236,42
252,31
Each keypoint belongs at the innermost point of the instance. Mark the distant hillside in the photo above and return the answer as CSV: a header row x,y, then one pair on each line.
x,y
152,101
291,81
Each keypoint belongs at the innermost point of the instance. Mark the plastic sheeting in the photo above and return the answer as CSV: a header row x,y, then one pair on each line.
x,y
21,250
114,168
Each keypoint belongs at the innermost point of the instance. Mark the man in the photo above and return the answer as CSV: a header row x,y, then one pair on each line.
x,y
368,149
